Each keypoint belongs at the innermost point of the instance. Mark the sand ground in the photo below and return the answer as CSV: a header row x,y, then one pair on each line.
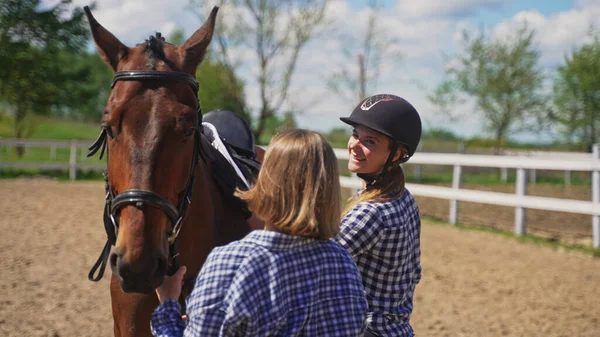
x,y
474,283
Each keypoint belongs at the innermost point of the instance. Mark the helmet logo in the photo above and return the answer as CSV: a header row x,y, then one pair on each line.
x,y
373,100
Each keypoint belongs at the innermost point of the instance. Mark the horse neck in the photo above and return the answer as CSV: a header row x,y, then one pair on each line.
x,y
211,220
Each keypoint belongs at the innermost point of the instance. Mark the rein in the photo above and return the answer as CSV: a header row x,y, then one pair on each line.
x,y
140,198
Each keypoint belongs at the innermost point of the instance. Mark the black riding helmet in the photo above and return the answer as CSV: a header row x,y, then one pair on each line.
x,y
233,129
392,116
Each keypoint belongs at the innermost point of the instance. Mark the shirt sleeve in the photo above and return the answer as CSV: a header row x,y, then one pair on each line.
x,y
205,317
166,320
361,229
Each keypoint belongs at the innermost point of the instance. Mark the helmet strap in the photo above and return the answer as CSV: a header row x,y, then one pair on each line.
x,y
370,179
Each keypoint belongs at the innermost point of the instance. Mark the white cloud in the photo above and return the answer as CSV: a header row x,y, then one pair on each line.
x,y
558,33
424,29
132,21
445,8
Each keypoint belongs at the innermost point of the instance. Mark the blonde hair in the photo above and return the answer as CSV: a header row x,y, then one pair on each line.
x,y
386,188
298,189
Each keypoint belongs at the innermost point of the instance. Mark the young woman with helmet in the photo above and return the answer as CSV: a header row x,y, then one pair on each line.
x,y
381,227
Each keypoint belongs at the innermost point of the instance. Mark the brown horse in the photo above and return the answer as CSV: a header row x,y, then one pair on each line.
x,y
158,163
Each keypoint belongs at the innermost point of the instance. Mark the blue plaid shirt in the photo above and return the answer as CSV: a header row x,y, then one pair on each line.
x,y
384,239
271,284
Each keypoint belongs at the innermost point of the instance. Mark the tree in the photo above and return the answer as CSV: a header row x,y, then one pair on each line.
x,y
369,53
219,89
577,94
440,134
338,137
502,77
275,124
36,45
274,32
87,88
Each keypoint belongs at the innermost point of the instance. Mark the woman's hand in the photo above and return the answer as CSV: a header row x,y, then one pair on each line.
x,y
170,289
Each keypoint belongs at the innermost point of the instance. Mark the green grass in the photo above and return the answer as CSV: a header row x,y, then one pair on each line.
x,y
44,155
595,252
48,128
65,130
52,174
35,155
487,145
491,179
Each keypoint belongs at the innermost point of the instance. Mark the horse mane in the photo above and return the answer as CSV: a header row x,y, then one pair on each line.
x,y
154,48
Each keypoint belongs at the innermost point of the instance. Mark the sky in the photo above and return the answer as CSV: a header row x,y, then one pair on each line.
x,y
427,35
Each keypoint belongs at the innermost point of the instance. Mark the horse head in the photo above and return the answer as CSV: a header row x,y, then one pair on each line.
x,y
151,127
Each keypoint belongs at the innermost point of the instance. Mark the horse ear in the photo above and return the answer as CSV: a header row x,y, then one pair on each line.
x,y
194,49
111,49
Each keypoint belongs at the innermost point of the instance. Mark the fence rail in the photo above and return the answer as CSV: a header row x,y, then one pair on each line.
x,y
72,166
569,162
519,200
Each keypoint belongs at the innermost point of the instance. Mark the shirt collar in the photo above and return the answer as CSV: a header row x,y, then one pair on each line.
x,y
277,240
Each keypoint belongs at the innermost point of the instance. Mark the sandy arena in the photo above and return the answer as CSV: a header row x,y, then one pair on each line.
x,y
474,283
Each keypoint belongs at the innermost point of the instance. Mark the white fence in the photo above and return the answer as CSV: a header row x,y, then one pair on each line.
x,y
72,166
519,200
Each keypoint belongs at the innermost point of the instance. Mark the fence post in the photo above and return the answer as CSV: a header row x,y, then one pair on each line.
x,y
52,152
532,176
521,212
596,198
354,190
418,167
73,161
504,174
456,179
567,178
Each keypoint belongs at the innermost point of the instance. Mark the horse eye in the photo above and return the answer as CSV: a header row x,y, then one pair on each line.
x,y
188,133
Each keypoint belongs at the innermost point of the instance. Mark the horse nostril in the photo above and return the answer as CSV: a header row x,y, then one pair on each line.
x,y
113,260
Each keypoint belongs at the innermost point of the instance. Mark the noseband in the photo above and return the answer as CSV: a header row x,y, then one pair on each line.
x,y
141,198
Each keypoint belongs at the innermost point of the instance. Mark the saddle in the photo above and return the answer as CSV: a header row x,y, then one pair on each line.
x,y
234,130
241,169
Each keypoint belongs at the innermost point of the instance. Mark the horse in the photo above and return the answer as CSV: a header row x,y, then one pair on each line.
x,y
164,206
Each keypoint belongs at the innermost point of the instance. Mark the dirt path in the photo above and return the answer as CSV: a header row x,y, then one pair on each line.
x,y
474,284
481,284
52,235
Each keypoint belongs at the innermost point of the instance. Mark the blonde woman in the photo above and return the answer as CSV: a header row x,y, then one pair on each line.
x,y
381,227
288,279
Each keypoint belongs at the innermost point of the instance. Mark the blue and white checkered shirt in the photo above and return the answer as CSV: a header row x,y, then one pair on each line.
x,y
384,239
271,284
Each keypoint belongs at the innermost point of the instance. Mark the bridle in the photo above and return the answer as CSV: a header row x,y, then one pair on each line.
x,y
139,198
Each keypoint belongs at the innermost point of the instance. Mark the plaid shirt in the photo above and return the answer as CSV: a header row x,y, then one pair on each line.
x,y
271,284
384,239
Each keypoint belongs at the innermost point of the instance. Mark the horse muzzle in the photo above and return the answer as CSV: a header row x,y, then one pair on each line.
x,y
141,275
